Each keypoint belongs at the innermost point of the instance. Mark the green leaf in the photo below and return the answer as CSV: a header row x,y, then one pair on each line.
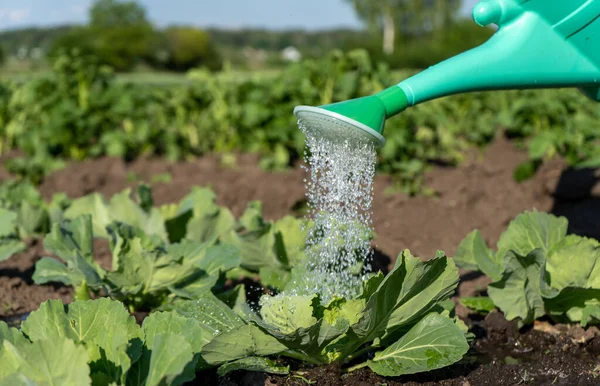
x,y
10,247
103,325
51,361
474,254
178,263
257,240
7,222
290,240
242,342
433,343
574,262
252,218
50,270
481,304
136,269
541,145
11,335
194,268
17,380
571,282
121,208
256,247
170,322
299,281
526,169
592,163
195,286
235,298
518,293
204,220
175,223
72,236
532,230
168,358
263,365
590,315
408,292
220,259
288,313
94,205
32,219
120,237
350,310
144,194
187,269
274,277
210,226
568,304
290,319
371,284
49,320
60,202
212,314
72,241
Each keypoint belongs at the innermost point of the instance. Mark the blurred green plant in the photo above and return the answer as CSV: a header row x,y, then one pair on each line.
x,y
189,47
80,111
2,56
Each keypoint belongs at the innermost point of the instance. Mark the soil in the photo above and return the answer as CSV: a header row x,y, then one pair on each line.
x,y
480,194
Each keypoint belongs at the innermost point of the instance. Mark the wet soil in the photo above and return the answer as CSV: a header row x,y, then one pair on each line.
x,y
480,194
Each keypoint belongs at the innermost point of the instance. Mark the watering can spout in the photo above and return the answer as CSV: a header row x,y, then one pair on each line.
x,y
539,44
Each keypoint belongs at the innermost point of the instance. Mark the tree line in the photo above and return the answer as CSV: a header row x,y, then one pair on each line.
x,y
403,33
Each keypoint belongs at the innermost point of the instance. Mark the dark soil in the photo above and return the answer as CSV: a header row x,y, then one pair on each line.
x,y
479,194
19,295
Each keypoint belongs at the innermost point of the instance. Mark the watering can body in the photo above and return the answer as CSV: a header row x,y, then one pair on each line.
x,y
538,44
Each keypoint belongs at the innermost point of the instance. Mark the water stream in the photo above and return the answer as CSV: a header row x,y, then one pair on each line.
x,y
339,189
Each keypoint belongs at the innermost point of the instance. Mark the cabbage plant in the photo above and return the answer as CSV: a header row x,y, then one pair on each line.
x,y
538,269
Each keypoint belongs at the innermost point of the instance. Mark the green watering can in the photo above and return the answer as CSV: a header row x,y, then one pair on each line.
x,y
539,44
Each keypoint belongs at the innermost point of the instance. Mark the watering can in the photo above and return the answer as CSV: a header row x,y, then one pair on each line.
x,y
538,44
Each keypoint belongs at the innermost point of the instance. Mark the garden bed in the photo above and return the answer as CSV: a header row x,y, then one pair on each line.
x,y
480,194
500,356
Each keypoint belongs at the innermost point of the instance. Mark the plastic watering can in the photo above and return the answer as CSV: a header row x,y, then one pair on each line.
x,y
539,44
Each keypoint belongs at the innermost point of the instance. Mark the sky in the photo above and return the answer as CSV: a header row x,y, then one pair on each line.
x,y
272,14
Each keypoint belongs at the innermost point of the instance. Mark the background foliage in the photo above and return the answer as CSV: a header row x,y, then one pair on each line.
x,y
79,110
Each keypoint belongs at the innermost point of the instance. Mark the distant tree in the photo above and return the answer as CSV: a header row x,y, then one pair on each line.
x,y
31,37
407,17
115,14
2,56
81,39
189,47
123,34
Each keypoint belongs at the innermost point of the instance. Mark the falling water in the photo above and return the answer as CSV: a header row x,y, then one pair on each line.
x,y
339,189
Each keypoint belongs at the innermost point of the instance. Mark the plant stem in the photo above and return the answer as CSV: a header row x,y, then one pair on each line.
x,y
356,367
302,357
358,353
82,292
